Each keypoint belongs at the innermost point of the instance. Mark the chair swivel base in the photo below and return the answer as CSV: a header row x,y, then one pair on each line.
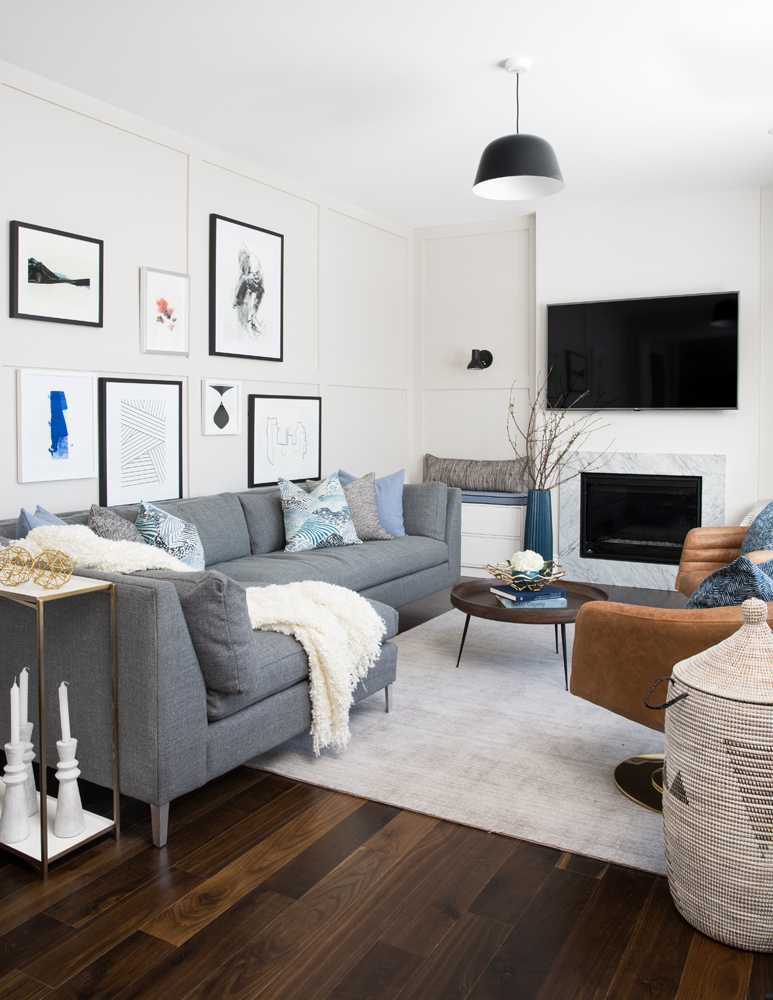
x,y
641,780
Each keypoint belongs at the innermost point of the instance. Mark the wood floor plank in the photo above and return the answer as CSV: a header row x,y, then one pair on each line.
x,y
184,968
85,944
17,986
191,807
715,970
303,872
111,973
589,959
510,890
276,948
582,865
233,842
401,834
29,939
657,952
420,930
15,875
522,963
458,962
380,974
761,979
194,911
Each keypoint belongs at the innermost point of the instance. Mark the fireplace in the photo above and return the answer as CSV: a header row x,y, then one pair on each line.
x,y
637,518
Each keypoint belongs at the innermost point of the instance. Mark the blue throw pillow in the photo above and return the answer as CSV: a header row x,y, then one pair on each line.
x,y
734,584
389,500
177,537
28,521
759,537
316,520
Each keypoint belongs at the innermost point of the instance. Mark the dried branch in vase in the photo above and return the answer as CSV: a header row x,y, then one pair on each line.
x,y
545,446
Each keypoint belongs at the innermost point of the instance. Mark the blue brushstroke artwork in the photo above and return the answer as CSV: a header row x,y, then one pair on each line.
x,y
60,446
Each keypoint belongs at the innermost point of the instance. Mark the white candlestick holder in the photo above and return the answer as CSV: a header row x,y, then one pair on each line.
x,y
69,820
14,820
25,732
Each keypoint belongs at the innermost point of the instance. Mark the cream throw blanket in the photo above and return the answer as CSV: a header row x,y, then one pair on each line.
x,y
340,632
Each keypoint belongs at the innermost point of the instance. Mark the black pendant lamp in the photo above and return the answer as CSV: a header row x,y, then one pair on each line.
x,y
518,167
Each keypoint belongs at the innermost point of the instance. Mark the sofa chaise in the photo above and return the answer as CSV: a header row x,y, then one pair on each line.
x,y
196,695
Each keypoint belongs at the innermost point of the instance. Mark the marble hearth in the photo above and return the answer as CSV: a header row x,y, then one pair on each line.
x,y
634,574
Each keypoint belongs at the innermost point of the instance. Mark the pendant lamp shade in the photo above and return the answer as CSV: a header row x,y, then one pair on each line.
x,y
518,168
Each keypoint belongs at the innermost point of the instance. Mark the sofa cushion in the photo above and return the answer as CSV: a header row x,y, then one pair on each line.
x,y
105,523
424,508
265,521
389,499
171,534
356,567
361,499
215,610
281,663
28,521
316,520
760,533
733,584
219,520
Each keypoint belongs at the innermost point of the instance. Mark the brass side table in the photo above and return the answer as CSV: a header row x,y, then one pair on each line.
x,y
42,846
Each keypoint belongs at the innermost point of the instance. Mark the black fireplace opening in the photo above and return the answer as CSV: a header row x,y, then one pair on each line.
x,y
637,518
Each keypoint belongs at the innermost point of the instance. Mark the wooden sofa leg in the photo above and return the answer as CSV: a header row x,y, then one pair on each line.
x,y
159,821
388,696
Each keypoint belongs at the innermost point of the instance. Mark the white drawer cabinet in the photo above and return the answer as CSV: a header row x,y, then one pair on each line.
x,y
490,534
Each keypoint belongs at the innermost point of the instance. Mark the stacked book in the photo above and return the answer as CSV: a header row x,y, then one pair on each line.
x,y
546,597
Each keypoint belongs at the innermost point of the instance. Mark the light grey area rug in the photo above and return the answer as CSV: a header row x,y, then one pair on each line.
x,y
497,744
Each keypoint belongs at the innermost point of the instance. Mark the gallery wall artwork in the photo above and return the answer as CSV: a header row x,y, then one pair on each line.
x,y
140,440
284,439
245,290
55,276
163,311
56,423
221,406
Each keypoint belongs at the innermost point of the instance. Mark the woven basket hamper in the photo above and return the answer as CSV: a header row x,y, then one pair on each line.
x,y
718,786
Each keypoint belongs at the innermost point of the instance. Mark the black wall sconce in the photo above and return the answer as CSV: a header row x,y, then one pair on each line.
x,y
481,359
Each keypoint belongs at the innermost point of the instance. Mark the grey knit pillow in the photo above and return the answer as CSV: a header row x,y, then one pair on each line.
x,y
106,524
474,474
361,501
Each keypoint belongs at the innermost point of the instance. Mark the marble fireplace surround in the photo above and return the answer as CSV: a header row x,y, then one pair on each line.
x,y
629,574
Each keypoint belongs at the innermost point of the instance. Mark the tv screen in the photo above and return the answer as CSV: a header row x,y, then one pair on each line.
x,y
669,353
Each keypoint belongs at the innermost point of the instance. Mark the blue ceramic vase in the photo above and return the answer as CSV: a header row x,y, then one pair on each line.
x,y
538,531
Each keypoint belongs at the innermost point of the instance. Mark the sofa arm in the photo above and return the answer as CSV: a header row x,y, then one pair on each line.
x,y
707,549
453,536
621,650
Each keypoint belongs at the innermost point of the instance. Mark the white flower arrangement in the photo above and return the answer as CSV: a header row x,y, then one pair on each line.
x,y
526,562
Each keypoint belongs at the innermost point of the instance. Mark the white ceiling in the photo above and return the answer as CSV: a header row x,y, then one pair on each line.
x,y
389,104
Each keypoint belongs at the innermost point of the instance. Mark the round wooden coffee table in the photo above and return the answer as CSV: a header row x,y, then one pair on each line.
x,y
475,598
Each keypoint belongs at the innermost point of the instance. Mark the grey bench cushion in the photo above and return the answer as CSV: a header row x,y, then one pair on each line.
x,y
281,662
357,567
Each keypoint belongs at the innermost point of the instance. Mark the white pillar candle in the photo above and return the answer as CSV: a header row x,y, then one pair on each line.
x,y
24,695
64,711
15,712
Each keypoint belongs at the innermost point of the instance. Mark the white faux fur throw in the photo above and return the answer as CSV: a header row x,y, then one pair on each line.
x,y
89,551
341,634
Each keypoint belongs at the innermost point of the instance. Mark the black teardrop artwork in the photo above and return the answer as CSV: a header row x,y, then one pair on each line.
x,y
220,416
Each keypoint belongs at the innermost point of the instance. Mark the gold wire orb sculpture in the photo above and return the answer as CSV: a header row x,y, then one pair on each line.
x,y
52,569
15,566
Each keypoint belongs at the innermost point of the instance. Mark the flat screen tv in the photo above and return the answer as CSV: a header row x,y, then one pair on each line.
x,y
670,353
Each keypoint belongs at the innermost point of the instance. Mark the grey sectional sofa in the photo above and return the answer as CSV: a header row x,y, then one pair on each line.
x,y
199,692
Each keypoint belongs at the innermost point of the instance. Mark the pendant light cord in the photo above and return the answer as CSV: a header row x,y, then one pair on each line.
x,y
517,104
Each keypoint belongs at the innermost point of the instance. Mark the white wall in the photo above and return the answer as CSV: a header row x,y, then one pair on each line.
x,y
72,163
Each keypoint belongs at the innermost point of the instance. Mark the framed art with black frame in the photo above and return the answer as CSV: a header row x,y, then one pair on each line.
x,y
55,276
140,440
246,266
284,439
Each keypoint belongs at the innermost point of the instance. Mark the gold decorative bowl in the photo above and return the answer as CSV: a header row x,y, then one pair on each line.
x,y
551,572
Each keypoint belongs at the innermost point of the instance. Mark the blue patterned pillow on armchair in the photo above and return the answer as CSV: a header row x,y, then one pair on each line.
x,y
759,537
733,584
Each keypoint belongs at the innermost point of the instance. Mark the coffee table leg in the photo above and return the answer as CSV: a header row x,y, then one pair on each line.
x,y
563,643
556,628
464,636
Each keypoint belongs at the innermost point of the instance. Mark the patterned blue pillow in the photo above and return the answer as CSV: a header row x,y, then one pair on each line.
x,y
177,537
316,520
759,537
733,584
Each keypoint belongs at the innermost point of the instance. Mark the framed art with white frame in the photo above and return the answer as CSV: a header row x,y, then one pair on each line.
x,y
164,300
245,290
56,425
140,440
55,276
284,439
221,406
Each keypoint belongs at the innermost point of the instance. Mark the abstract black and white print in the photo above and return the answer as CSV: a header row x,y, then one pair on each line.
x,y
221,407
56,425
143,442
284,438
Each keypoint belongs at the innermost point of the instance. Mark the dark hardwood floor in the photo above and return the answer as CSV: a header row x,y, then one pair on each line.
x,y
274,889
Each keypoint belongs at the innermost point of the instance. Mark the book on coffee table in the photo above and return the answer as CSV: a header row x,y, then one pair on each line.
x,y
546,593
551,602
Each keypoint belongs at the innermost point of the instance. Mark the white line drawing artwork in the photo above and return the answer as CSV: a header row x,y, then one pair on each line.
x,y
297,439
248,292
143,442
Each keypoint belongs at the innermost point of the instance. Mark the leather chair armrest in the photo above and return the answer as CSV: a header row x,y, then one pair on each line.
x,y
707,549
621,650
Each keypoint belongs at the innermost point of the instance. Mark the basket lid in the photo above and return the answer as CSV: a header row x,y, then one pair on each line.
x,y
740,667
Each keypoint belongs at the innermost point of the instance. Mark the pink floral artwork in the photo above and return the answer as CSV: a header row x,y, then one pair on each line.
x,y
165,314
